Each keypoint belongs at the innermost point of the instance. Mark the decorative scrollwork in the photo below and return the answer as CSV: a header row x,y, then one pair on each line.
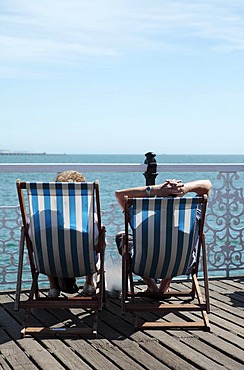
x,y
225,225
224,229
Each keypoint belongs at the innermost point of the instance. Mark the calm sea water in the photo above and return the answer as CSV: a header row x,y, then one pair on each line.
x,y
109,182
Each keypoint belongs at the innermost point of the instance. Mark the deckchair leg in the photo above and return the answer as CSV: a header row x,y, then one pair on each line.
x,y
193,286
135,321
34,287
101,272
123,286
20,269
101,289
205,273
124,291
25,322
103,292
200,301
95,324
131,285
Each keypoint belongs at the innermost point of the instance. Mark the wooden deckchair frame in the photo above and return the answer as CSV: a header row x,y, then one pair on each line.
x,y
93,303
129,301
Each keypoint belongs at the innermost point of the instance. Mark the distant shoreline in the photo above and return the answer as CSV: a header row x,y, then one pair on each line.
x,y
19,153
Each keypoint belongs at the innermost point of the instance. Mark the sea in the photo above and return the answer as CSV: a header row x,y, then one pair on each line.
x,y
109,182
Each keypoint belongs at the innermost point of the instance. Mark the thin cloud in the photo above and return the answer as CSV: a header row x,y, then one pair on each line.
x,y
44,33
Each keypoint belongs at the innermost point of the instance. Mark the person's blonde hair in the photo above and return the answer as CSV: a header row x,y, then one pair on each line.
x,y
70,176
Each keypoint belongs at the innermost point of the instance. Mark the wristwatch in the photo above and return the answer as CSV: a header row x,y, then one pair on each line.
x,y
148,191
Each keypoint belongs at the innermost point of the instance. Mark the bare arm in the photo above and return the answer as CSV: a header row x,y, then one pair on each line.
x,y
199,187
169,188
140,192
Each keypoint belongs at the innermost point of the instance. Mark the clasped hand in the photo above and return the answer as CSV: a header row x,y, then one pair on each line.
x,y
172,187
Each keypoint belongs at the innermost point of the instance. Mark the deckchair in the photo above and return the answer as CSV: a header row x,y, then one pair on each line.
x,y
165,232
58,231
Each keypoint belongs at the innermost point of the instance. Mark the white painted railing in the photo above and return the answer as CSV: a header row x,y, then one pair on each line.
x,y
224,222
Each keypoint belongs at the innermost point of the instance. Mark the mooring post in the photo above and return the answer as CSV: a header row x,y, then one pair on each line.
x,y
151,172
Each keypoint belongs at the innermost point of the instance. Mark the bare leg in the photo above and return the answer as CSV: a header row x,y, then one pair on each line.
x,y
53,282
89,287
152,286
90,280
164,285
54,290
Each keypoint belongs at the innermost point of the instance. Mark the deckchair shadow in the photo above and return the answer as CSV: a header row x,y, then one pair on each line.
x,y
59,221
165,231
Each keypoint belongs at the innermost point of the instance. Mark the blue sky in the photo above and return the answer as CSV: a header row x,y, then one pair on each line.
x,y
122,76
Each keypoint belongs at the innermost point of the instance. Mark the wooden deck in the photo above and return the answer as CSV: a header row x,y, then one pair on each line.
x,y
119,346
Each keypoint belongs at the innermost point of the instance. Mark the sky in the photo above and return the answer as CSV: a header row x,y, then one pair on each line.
x,y
122,76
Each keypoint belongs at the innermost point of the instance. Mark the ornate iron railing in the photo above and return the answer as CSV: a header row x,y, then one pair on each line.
x,y
224,221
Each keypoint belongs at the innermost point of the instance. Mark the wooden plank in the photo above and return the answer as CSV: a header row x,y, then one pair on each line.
x,y
183,350
217,348
226,319
119,346
11,354
236,283
233,338
222,286
227,325
160,296
82,354
134,358
81,349
224,303
195,341
223,344
141,341
40,356
173,324
69,302
231,294
137,307
57,348
224,358
169,346
59,331
95,355
66,328
227,311
126,353
3,363
112,351
226,307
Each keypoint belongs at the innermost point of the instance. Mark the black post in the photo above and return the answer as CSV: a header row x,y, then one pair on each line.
x,y
151,172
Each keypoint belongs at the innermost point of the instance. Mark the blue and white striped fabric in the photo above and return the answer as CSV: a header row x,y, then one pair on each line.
x,y
62,227
163,235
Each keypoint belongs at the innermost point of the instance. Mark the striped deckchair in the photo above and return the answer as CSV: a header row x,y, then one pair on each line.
x,y
59,224
165,232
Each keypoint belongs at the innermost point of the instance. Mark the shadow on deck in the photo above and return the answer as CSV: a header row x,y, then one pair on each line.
x,y
119,346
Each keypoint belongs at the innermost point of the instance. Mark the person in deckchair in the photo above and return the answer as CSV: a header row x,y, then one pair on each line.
x,y
175,188
68,285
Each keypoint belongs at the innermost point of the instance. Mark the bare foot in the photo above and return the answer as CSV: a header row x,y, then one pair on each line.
x,y
164,285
